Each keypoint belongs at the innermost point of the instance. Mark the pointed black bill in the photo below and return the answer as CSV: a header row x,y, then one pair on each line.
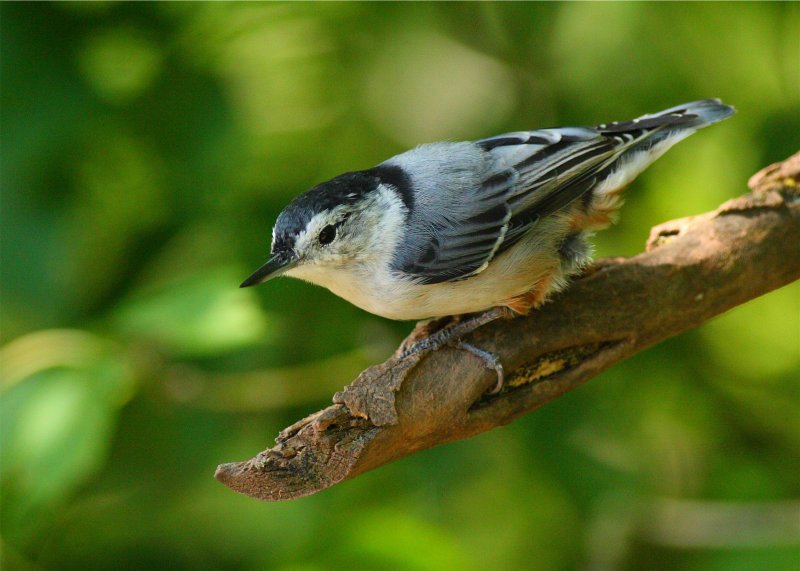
x,y
275,266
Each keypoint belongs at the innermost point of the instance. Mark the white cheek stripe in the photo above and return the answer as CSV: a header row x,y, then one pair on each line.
x,y
303,241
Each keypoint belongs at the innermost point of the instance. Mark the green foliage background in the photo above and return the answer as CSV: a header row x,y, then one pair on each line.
x,y
148,147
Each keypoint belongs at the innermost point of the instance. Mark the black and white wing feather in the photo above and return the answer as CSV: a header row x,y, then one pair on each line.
x,y
460,214
475,200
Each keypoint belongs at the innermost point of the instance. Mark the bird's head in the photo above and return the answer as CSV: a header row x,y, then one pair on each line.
x,y
332,226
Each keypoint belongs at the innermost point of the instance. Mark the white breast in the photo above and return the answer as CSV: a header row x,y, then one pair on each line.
x,y
532,261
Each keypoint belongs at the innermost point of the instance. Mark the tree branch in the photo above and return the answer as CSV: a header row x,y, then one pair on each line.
x,y
693,269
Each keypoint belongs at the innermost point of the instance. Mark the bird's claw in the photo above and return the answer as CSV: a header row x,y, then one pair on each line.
x,y
432,335
490,361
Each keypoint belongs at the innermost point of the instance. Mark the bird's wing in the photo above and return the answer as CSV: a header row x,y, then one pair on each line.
x,y
525,176
552,177
522,177
459,239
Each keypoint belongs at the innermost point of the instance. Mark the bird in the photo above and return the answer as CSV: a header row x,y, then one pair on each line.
x,y
486,229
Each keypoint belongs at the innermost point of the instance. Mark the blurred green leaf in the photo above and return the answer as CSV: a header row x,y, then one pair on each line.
x,y
394,538
449,90
60,394
120,63
198,315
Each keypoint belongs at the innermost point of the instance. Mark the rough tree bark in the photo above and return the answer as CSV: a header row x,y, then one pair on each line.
x,y
693,269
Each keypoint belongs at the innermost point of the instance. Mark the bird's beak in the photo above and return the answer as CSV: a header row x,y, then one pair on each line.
x,y
275,266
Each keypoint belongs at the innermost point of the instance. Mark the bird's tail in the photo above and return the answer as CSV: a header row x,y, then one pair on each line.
x,y
652,135
693,116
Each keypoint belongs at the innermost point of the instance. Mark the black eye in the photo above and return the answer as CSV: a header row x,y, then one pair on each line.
x,y
327,234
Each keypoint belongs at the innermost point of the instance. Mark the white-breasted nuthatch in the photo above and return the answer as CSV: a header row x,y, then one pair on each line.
x,y
456,228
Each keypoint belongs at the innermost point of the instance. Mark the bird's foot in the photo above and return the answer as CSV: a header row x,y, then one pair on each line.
x,y
432,335
490,361
423,330
372,394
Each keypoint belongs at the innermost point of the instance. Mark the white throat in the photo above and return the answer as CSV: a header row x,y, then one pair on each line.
x,y
362,274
